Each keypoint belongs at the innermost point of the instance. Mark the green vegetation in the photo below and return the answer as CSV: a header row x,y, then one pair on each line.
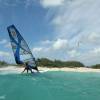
x,y
57,63
97,66
3,63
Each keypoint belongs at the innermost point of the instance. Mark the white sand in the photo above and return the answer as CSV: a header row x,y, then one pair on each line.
x,y
10,69
81,69
14,69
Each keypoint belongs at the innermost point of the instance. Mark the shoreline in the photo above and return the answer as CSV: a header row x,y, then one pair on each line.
x,y
14,69
66,69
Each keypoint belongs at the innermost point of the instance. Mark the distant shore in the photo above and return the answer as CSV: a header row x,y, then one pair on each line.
x,y
14,69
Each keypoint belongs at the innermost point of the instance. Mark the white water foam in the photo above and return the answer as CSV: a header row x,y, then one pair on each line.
x,y
2,97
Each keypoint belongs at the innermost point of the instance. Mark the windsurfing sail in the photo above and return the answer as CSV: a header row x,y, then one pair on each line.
x,y
21,51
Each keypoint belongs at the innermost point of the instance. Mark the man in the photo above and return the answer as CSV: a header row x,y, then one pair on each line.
x,y
27,67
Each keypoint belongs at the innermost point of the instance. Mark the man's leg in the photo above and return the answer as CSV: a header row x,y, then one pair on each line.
x,y
24,70
27,70
31,70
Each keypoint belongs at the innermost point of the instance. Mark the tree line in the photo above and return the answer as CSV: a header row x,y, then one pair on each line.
x,y
44,62
3,63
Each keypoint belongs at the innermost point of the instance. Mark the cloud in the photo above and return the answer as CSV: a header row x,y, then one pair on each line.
x,y
47,45
46,42
4,54
53,49
73,53
51,3
7,56
60,44
77,21
3,41
96,50
37,49
90,57
91,38
8,45
29,3
75,18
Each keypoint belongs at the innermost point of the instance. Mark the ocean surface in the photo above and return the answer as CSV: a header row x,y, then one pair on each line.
x,y
50,86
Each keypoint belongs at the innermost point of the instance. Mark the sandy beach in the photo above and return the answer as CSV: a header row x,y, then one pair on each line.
x,y
81,69
14,69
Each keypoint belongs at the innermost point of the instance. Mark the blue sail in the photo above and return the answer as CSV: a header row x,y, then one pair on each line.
x,y
21,51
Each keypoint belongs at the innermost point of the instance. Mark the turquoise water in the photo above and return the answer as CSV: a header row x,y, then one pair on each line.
x,y
50,86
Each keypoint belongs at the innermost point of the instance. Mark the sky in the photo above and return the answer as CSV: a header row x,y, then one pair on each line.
x,y
55,29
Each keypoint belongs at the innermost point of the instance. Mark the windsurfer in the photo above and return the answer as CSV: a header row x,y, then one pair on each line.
x,y
21,51
27,67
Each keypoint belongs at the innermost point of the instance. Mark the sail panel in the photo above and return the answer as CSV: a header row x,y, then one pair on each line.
x,y
20,48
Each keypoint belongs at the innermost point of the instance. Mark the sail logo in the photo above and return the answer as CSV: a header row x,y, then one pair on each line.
x,y
13,32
